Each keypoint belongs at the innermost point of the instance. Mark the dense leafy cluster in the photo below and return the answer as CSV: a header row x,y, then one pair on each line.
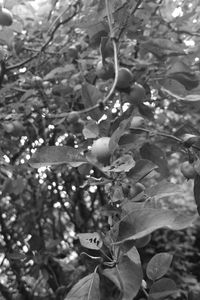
x,y
100,132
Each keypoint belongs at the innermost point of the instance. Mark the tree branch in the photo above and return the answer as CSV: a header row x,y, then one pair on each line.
x,y
45,45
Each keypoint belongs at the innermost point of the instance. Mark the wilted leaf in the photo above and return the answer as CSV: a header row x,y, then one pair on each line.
x,y
162,288
56,155
141,222
90,240
142,168
91,96
163,189
157,156
130,272
85,289
158,265
197,191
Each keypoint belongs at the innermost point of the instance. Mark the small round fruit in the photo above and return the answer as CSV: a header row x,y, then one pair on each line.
x,y
73,117
188,170
137,121
100,149
105,71
125,78
137,94
6,17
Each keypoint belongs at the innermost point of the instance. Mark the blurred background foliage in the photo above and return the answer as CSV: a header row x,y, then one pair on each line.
x,y
48,64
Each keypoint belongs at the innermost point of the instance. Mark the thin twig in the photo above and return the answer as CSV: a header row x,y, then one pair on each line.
x,y
44,46
112,90
166,135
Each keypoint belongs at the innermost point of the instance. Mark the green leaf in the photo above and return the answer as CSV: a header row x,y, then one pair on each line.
x,y
127,276
115,137
122,164
142,242
190,81
90,240
146,111
106,48
142,168
91,96
16,255
163,189
90,130
162,48
14,186
193,295
162,288
158,265
157,156
85,289
143,221
59,72
197,191
56,155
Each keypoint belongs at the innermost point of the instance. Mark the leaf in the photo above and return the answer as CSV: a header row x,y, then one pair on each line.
x,y
146,111
115,137
194,295
130,272
197,192
162,48
15,186
196,165
36,242
6,36
163,189
56,155
178,66
96,32
106,48
162,288
85,289
118,194
143,221
122,164
90,130
158,265
59,72
90,240
189,80
142,242
142,168
16,255
157,156
91,96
